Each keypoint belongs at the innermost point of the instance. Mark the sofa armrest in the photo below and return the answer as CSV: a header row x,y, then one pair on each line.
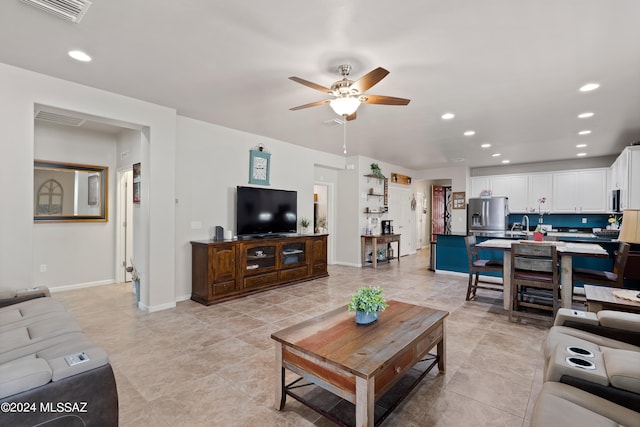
x,y
565,315
620,320
11,297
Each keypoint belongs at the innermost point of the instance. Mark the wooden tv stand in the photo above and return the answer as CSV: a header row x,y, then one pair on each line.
x,y
226,270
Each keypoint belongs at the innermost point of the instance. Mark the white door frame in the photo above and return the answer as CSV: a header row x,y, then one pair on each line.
x,y
124,221
331,219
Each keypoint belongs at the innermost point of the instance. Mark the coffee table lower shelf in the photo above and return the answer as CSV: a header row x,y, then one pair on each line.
x,y
342,412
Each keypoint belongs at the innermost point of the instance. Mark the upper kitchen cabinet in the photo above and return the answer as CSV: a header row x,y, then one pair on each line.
x,y
540,185
478,185
625,176
580,191
515,187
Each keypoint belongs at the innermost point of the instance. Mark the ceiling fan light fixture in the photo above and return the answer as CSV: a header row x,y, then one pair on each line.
x,y
345,106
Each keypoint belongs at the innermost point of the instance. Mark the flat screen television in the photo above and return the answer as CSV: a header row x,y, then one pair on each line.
x,y
264,212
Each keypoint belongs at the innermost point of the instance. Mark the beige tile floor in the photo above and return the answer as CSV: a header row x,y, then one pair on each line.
x,y
213,366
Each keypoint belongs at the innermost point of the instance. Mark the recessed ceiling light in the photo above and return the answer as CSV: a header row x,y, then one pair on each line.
x,y
581,145
506,161
585,115
79,55
470,133
584,132
589,87
495,155
448,116
485,145
581,154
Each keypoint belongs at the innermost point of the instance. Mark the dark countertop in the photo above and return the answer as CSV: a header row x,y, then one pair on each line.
x,y
566,237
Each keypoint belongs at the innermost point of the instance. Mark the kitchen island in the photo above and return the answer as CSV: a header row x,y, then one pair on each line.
x,y
451,252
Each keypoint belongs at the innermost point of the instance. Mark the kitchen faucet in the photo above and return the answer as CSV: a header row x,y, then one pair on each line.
x,y
526,219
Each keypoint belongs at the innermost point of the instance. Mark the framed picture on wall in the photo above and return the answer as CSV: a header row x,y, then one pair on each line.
x,y
458,200
136,183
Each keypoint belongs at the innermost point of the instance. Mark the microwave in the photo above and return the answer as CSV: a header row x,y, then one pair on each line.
x,y
615,201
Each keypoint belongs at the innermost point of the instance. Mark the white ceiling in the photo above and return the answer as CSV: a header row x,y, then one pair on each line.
x,y
510,70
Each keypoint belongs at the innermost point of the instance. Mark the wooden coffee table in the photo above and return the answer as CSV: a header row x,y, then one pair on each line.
x,y
602,298
359,363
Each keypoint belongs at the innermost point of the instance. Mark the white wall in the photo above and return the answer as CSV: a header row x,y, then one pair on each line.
x,y
211,161
21,90
75,253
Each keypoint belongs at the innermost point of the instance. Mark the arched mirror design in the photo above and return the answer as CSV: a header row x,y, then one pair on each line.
x,y
69,192
50,197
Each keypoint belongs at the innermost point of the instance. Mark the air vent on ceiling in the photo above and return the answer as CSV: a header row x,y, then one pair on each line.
x,y
70,10
60,119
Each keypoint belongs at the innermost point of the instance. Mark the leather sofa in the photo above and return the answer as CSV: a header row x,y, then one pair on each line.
x,y
592,371
51,374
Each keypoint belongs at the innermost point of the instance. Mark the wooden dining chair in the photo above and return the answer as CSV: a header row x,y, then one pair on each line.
x,y
535,280
477,266
612,279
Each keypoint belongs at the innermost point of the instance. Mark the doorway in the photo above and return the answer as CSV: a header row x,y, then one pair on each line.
x,y
440,209
323,215
400,202
125,225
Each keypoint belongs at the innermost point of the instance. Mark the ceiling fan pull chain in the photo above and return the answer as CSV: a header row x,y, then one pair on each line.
x,y
344,136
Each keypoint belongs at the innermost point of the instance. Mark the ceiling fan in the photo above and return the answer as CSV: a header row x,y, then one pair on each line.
x,y
349,94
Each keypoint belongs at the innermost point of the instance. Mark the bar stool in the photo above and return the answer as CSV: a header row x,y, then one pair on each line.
x,y
612,279
534,266
477,266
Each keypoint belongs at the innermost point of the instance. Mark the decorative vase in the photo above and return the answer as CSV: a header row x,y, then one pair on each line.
x,y
364,318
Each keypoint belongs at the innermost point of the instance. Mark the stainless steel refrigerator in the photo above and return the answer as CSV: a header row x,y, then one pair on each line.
x,y
488,215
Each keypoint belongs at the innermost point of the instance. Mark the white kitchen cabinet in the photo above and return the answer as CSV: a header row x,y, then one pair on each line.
x,y
580,191
625,176
515,187
540,185
479,184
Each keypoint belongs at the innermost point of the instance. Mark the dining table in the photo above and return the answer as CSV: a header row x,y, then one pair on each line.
x,y
566,251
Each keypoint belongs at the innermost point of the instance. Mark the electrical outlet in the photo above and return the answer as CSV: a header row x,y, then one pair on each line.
x,y
584,220
43,268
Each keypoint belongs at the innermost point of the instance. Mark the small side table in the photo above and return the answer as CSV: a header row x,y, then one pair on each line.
x,y
374,241
602,298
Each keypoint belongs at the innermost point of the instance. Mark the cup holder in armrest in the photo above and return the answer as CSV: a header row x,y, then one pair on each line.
x,y
579,351
576,362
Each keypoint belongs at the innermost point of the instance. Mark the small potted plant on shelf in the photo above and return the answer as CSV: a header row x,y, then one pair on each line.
x,y
375,171
304,224
368,302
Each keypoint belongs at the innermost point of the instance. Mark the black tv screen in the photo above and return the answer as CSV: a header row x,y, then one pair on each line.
x,y
265,211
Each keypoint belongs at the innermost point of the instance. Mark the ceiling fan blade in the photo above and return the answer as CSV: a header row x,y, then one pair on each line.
x,y
385,100
351,116
311,104
368,80
311,85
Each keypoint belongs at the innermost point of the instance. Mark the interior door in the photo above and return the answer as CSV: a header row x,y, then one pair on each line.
x,y
401,214
437,210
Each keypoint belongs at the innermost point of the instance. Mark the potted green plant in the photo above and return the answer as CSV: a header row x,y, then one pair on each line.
x,y
368,302
304,223
375,171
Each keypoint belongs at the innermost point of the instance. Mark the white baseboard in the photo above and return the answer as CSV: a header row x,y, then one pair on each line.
x,y
80,285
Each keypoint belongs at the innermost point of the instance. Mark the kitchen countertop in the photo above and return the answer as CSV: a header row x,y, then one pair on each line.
x,y
520,235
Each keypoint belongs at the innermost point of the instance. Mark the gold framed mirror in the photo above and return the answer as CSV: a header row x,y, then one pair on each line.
x,y
69,192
